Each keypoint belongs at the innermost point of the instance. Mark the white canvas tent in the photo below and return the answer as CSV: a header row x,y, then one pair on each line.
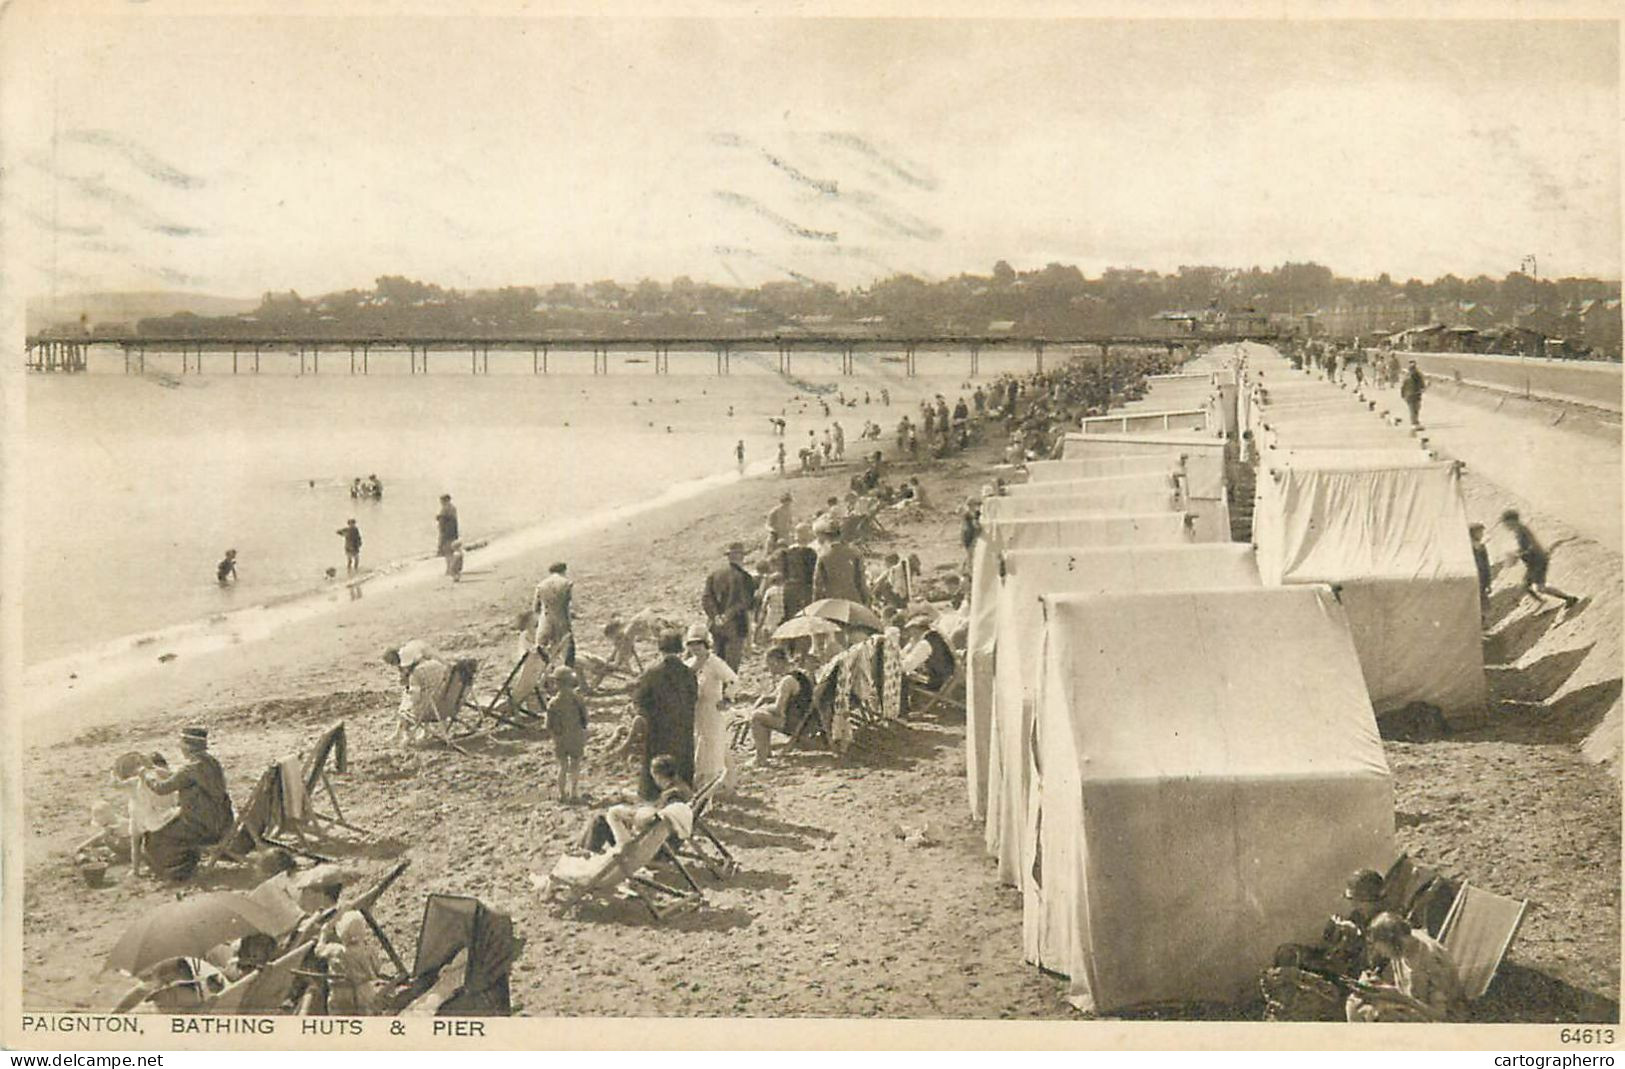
x,y
1025,575
1035,505
998,536
1211,773
1151,481
1206,494
1394,542
1042,471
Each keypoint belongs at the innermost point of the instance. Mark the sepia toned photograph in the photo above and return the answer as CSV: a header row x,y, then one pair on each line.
x,y
517,519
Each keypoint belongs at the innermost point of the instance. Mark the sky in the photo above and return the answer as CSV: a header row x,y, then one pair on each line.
x,y
235,155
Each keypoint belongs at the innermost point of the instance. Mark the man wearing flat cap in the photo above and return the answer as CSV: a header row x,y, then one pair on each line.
x,y
203,815
728,601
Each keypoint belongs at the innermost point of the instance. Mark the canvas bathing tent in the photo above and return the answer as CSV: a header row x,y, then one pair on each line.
x,y
1203,460
1042,471
1394,541
1034,506
1210,774
1024,576
998,536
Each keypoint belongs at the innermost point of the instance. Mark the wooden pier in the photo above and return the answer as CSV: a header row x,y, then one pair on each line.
x,y
356,354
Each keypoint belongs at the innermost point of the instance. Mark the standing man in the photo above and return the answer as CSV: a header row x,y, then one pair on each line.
x,y
352,547
730,595
780,522
839,571
796,564
555,633
664,697
1410,388
446,521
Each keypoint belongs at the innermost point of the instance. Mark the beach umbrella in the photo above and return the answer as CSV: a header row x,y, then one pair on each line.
x,y
805,627
846,612
193,926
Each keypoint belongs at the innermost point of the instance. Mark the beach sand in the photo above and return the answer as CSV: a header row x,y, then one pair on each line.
x,y
832,913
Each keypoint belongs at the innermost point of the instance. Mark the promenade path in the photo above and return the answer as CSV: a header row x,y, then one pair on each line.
x,y
1571,475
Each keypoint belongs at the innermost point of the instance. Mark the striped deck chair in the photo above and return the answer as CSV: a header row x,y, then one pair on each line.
x,y
1477,933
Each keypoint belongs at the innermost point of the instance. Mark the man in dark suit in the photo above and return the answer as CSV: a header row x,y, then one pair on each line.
x,y
665,696
728,601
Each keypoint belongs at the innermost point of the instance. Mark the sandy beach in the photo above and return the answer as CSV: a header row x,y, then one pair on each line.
x,y
833,913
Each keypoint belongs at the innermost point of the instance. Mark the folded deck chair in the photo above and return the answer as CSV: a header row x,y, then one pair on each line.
x,y
604,876
1477,933
264,990
702,844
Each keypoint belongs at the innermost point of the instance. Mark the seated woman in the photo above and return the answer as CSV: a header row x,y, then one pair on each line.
x,y
204,813
623,821
1421,982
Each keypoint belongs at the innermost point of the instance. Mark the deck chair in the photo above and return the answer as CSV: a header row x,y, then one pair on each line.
x,y
1419,894
1477,933
703,845
366,900
943,695
332,748
453,924
508,706
627,868
264,820
264,990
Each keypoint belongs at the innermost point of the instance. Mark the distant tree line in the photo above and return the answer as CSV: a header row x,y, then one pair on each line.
x,y
1055,300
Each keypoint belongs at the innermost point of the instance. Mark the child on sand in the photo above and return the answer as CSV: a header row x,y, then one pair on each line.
x,y
454,561
567,719
226,571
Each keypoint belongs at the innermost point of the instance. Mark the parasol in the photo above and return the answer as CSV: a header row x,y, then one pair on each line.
x,y
193,926
846,612
805,627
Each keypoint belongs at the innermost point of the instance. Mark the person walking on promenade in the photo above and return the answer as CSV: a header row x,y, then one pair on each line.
x,y
728,598
352,547
1536,558
665,697
446,521
1411,388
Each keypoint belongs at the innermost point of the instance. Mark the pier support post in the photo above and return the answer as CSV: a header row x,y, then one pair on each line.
x,y
234,360
352,360
975,359
315,360
366,354
126,349
535,357
256,359
1038,356
909,361
473,360
141,355
544,358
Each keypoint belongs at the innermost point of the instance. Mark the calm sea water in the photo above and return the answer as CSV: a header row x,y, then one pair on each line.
x,y
136,485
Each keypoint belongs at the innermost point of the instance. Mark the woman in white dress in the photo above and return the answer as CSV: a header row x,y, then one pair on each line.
x,y
710,730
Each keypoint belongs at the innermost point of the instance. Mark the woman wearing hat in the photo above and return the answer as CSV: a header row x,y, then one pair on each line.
x,y
710,730
203,815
